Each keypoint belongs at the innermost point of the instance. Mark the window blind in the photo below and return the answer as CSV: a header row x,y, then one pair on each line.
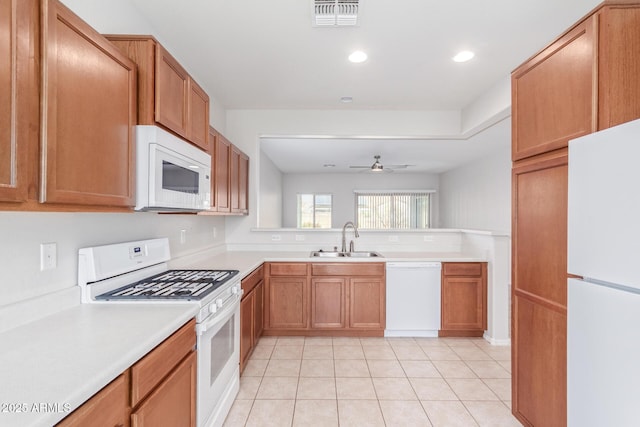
x,y
392,210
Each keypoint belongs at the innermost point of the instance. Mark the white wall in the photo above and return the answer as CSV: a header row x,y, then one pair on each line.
x,y
478,195
342,186
21,234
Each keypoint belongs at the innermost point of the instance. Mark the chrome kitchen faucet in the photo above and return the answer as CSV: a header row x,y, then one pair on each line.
x,y
344,232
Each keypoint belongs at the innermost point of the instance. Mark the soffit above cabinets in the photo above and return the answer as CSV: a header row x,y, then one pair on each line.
x,y
258,54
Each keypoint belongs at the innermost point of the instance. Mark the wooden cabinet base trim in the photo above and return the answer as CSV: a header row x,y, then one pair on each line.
x,y
461,333
541,301
323,333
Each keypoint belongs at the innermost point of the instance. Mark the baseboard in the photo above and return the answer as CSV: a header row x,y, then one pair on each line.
x,y
494,341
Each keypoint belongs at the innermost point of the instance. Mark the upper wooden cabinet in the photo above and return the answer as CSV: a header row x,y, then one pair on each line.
x,y
222,174
585,81
553,96
88,113
18,97
618,65
239,171
167,94
230,176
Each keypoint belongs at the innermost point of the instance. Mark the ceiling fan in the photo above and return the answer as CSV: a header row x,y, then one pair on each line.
x,y
379,167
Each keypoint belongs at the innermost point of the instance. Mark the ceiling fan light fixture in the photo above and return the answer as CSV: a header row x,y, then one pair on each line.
x,y
377,166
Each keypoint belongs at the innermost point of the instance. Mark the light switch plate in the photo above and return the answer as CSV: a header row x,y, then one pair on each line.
x,y
48,256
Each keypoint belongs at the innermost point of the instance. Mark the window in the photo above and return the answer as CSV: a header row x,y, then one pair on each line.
x,y
314,210
393,210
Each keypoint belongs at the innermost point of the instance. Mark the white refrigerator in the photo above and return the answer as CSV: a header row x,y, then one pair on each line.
x,y
603,314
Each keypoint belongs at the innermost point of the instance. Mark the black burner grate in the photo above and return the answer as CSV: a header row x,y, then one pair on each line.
x,y
173,284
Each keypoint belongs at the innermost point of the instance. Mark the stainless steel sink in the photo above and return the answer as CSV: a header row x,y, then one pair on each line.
x,y
333,254
329,254
362,254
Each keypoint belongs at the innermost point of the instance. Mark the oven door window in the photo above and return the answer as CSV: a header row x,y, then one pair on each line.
x,y
222,346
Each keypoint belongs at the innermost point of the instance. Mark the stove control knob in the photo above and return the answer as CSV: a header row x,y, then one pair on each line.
x,y
219,302
213,308
235,290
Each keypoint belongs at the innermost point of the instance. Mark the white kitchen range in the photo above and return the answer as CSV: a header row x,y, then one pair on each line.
x,y
137,273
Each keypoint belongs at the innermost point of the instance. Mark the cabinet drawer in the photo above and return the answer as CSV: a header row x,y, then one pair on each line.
x,y
252,279
288,269
107,408
462,269
347,269
173,403
150,370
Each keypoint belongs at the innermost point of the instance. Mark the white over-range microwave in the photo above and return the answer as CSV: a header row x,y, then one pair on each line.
x,y
171,174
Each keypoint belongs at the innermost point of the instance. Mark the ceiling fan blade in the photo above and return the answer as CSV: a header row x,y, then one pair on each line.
x,y
373,172
398,166
360,167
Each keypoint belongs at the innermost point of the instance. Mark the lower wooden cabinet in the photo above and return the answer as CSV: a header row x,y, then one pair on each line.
x,y
464,299
328,302
157,391
287,303
251,313
539,290
539,363
173,402
107,408
246,329
325,299
367,304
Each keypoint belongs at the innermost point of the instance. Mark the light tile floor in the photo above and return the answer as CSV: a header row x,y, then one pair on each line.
x,y
293,381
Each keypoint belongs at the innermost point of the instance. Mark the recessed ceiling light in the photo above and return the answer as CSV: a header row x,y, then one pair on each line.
x,y
464,56
346,99
358,56
328,165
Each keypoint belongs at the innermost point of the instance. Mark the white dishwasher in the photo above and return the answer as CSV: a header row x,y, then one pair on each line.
x,y
413,299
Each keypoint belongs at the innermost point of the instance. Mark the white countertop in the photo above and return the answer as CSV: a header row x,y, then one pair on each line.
x,y
64,359
247,261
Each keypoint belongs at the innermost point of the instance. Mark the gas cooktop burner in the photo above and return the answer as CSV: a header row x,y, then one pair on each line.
x,y
172,284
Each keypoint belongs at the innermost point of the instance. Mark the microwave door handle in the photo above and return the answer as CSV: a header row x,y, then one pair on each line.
x,y
217,318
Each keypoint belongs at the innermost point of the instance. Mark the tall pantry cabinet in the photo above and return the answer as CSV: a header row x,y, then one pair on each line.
x,y
586,80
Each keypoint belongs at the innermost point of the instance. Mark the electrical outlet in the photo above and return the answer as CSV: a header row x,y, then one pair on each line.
x,y
299,237
215,232
48,256
428,238
276,237
183,236
394,238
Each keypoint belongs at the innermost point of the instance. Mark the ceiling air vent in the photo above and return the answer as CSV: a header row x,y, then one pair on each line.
x,y
332,13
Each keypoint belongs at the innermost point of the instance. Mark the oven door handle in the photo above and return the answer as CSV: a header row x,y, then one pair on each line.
x,y
218,318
